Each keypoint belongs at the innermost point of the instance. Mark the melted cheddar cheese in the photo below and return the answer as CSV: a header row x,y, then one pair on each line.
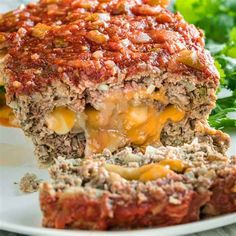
x,y
148,172
122,118
61,120
137,125
7,117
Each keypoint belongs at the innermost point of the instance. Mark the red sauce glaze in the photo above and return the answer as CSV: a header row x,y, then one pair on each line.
x,y
83,48
65,11
223,199
82,211
78,211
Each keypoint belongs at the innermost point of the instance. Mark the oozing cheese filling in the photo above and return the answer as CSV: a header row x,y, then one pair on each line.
x,y
7,117
148,172
128,117
61,120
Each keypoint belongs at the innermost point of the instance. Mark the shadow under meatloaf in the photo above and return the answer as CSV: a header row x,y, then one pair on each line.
x,y
165,186
97,54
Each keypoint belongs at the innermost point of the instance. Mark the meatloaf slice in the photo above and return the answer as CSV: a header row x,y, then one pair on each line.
x,y
165,186
106,78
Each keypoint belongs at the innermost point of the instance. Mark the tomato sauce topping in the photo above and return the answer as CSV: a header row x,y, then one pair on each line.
x,y
85,42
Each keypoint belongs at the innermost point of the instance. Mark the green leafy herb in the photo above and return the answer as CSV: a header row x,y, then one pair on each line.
x,y
228,65
2,89
221,119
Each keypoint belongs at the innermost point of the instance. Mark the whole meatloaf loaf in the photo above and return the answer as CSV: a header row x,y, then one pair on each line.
x,y
164,186
83,76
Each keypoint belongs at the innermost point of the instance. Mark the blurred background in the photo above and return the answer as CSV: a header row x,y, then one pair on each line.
x,y
6,5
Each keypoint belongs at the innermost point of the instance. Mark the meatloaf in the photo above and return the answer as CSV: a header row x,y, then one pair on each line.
x,y
83,76
164,186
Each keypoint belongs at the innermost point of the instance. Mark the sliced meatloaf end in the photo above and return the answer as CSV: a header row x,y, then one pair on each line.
x,y
164,186
75,209
223,199
106,77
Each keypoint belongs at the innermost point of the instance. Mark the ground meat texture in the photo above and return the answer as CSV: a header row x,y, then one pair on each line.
x,y
105,200
29,183
49,145
74,58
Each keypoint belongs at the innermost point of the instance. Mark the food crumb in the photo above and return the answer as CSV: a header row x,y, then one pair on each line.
x,y
29,183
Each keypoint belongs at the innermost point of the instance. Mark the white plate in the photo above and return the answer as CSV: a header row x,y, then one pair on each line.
x,y
20,212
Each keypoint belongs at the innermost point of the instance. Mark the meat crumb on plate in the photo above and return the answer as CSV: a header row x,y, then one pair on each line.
x,y
29,183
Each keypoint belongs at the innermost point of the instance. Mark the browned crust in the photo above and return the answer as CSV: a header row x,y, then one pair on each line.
x,y
78,210
210,193
223,199
206,188
155,38
141,215
109,211
52,11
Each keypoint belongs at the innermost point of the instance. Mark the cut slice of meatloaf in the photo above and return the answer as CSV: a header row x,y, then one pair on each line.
x,y
105,78
164,186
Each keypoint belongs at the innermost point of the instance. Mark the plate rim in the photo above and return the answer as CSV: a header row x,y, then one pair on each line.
x,y
188,228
